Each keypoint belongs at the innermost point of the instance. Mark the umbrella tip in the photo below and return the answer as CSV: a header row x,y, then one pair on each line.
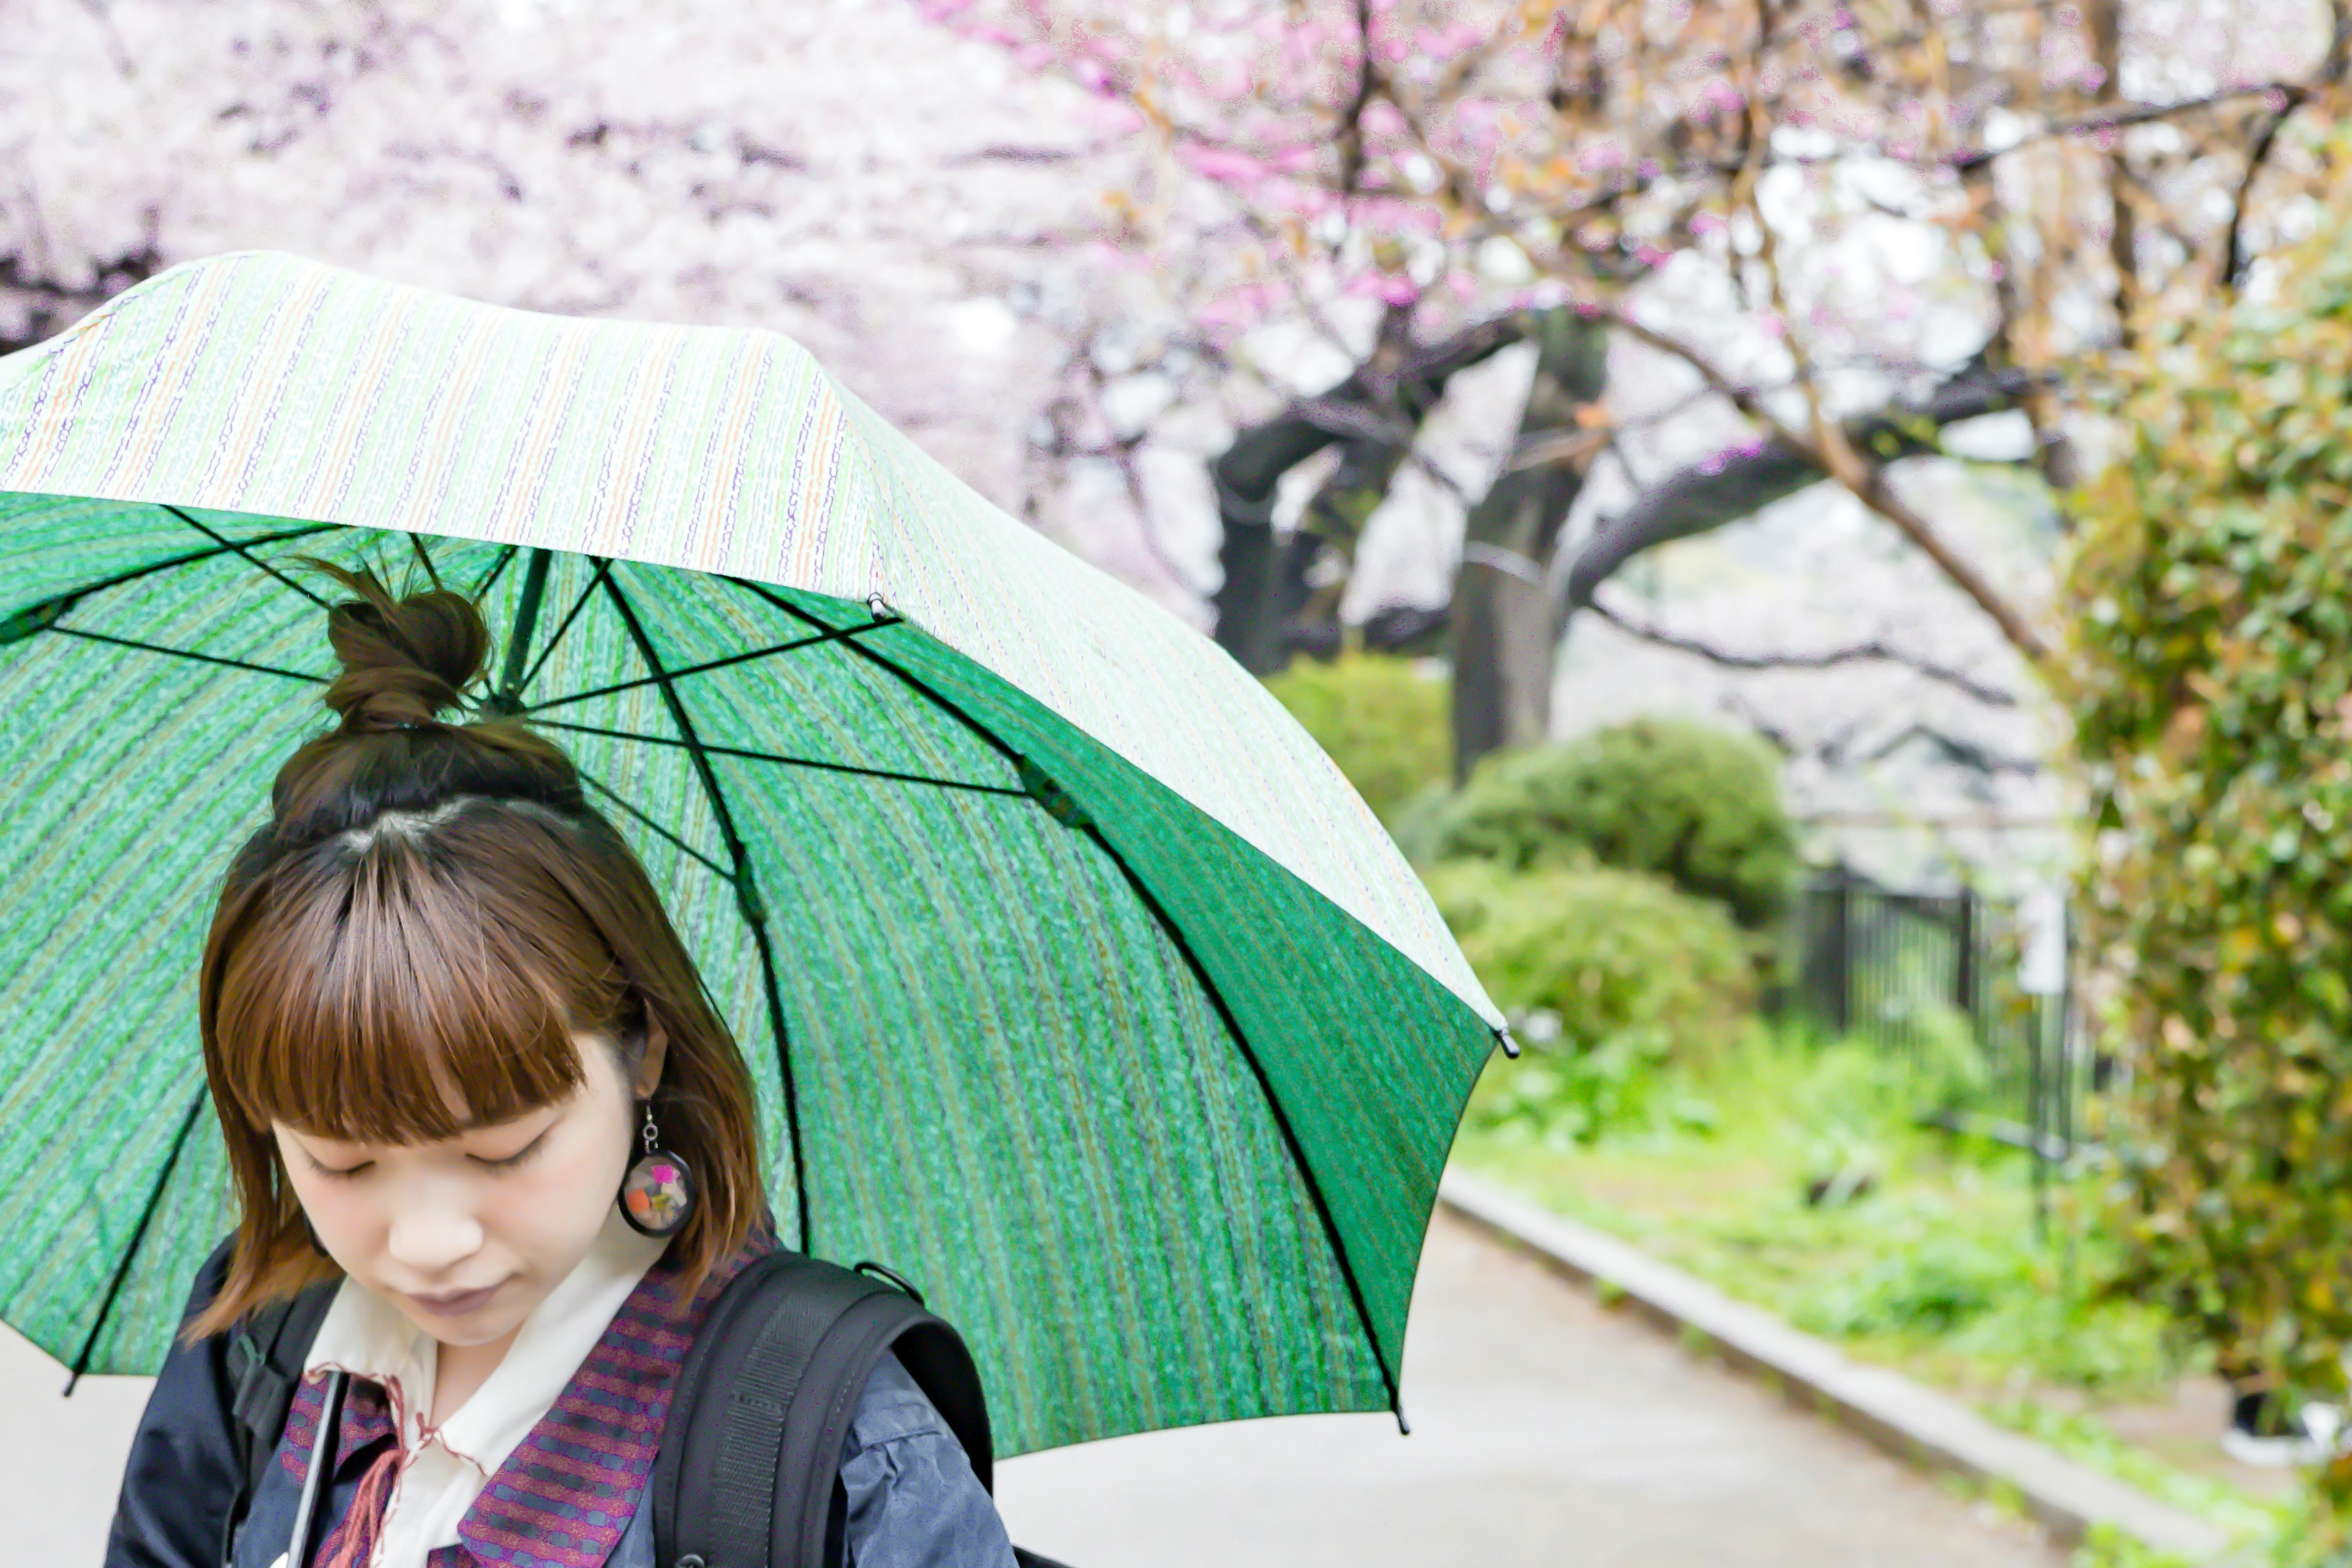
x,y
1404,1427
71,1380
1510,1046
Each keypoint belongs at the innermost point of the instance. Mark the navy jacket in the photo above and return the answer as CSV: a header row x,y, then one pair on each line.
x,y
906,1496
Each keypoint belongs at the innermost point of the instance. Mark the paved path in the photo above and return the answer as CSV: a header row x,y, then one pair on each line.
x,y
1546,1431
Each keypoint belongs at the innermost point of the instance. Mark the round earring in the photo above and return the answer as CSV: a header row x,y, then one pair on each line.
x,y
658,1195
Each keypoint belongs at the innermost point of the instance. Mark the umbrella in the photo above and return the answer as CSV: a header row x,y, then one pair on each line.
x,y
1078,985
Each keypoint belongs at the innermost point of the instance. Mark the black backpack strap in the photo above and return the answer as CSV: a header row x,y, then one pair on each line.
x,y
265,1357
752,1446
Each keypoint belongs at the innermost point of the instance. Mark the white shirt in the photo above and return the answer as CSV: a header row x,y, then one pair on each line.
x,y
444,1467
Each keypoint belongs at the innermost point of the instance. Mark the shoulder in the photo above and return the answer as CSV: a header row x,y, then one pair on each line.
x,y
185,1467
892,1409
908,1494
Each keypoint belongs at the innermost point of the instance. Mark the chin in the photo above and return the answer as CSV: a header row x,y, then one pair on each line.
x,y
481,1329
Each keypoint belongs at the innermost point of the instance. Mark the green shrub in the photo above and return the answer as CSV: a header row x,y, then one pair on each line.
x,y
1559,1097
1697,806
2210,675
1383,719
1601,956
1934,1283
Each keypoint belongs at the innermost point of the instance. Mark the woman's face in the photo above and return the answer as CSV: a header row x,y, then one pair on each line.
x,y
467,1236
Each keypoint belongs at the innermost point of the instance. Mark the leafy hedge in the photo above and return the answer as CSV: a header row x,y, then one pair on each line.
x,y
1603,952
1610,974
2211,680
1383,719
1698,806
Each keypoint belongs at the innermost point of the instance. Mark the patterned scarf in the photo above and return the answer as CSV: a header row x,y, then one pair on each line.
x,y
566,1493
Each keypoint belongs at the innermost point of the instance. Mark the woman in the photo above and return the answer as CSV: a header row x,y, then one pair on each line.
x,y
463,1064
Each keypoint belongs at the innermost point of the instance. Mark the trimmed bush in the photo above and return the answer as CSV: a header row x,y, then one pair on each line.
x,y
1383,719
1606,953
1698,806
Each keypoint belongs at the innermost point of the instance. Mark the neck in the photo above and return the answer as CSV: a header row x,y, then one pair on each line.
x,y
460,1372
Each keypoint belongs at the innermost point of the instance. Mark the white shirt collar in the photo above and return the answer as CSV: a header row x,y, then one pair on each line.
x,y
444,1469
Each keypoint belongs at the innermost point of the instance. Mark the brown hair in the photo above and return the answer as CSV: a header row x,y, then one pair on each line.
x,y
410,946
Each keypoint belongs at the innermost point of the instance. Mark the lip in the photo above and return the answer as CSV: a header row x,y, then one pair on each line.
x,y
459,1303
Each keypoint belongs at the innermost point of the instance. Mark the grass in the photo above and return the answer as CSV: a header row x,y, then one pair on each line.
x,y
1792,1174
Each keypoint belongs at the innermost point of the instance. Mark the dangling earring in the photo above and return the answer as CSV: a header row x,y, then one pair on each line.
x,y
658,1195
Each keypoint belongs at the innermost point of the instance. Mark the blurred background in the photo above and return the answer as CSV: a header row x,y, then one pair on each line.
x,y
1815,525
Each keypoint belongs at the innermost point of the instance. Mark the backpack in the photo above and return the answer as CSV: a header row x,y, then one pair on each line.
x,y
747,1475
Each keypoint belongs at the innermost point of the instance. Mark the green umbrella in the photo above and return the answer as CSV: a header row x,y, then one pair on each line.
x,y
1078,985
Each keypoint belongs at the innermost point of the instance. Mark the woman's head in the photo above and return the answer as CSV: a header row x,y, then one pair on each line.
x,y
437,958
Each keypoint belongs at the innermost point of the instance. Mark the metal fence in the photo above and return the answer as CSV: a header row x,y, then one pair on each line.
x,y
1927,973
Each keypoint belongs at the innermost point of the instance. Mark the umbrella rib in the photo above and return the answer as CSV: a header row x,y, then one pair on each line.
x,y
684,670
746,895
416,542
569,616
188,653
1175,935
497,568
609,793
701,746
250,558
138,1235
59,604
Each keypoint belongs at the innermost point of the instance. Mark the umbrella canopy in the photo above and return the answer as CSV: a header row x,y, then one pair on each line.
x,y
1078,985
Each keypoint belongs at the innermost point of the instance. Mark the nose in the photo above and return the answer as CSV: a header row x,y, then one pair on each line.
x,y
431,1234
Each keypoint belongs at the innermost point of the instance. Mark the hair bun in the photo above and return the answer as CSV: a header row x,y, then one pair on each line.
x,y
406,660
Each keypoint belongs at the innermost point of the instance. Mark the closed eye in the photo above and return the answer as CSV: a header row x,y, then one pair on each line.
x,y
509,1162
341,1173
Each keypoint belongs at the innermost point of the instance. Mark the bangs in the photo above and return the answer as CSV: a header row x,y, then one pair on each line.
x,y
389,988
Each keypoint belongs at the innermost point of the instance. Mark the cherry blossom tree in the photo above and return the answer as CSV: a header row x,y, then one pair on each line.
x,y
880,190
1844,227
1850,225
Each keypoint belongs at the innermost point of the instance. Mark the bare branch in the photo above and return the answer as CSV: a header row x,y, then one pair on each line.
x,y
1351,133
1828,449
2233,257
1868,480
1827,445
1876,650
2116,120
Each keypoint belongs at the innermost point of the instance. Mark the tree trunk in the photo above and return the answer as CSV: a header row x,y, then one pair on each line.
x,y
1333,525
1250,603
1376,411
1503,637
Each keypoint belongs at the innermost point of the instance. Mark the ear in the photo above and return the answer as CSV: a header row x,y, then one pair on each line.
x,y
650,1061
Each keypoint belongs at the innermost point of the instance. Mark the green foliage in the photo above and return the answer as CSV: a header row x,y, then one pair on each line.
x,y
2211,681
1698,806
1928,1279
1597,958
1560,1098
1933,1264
1383,719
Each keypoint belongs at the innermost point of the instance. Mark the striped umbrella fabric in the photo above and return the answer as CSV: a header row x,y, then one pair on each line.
x,y
1077,984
